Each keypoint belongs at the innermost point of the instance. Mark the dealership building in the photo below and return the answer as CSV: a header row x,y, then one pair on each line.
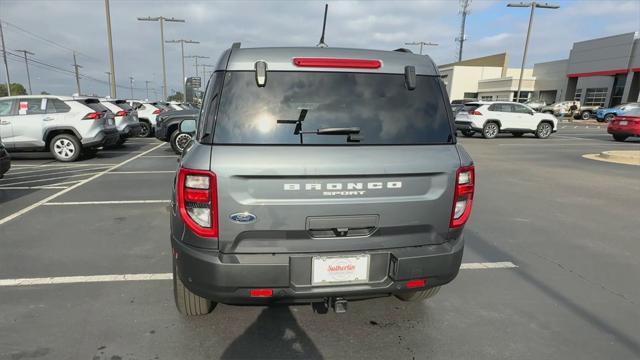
x,y
598,72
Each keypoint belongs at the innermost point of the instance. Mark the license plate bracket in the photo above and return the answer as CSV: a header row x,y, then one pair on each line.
x,y
340,269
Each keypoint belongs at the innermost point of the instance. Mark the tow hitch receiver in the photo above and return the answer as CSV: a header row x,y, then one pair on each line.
x,y
339,306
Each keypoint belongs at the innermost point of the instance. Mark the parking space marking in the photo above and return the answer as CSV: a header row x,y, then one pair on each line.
x,y
169,276
143,172
108,202
161,156
64,191
51,173
51,178
62,165
31,187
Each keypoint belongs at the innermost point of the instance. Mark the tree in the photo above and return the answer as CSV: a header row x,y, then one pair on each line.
x,y
175,97
16,89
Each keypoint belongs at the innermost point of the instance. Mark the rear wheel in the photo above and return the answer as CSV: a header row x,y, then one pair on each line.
x,y
65,147
490,130
178,141
188,303
145,129
618,137
467,133
419,295
544,130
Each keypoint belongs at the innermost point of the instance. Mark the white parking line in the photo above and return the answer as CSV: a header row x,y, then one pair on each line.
x,y
144,172
106,202
31,187
62,165
169,276
51,173
51,178
161,156
64,191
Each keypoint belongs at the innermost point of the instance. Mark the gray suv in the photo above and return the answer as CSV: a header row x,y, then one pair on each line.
x,y
65,126
319,175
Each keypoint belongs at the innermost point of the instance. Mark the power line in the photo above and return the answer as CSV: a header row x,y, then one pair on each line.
x,y
48,41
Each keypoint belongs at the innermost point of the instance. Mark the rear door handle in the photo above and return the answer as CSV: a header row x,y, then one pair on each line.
x,y
48,118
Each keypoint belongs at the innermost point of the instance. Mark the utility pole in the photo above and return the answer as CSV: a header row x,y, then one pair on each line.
x,y
112,66
26,63
184,79
162,19
109,77
76,67
464,11
421,43
146,85
532,5
204,73
131,85
196,57
4,56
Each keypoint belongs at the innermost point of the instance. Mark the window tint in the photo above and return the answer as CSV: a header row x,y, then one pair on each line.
x,y
122,105
520,109
95,106
470,107
56,106
501,107
294,105
31,106
5,107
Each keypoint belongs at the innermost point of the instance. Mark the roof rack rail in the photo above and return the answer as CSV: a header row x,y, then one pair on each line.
x,y
404,50
236,45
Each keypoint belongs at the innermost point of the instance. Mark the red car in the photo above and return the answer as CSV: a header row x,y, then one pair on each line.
x,y
625,125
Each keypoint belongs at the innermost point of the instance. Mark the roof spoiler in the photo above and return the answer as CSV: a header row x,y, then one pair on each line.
x,y
236,45
404,50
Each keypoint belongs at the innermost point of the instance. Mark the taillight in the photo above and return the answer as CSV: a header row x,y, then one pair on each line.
x,y
198,201
93,116
474,112
157,111
463,196
337,63
122,113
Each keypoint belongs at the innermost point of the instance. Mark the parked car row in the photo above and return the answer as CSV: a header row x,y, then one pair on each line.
x,y
494,117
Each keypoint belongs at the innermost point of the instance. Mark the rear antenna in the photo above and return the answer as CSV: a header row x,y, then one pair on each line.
x,y
324,24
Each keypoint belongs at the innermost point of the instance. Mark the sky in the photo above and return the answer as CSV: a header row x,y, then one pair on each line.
x,y
52,30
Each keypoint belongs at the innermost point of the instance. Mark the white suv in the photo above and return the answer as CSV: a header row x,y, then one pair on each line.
x,y
63,125
147,114
491,118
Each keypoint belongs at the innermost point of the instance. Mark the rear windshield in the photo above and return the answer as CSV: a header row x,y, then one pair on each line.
x,y
95,105
122,105
348,108
470,107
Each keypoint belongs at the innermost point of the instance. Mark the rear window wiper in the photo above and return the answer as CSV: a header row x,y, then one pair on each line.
x,y
337,131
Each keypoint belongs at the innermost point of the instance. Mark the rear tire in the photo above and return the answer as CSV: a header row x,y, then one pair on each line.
x,y
419,295
618,137
544,130
467,133
490,130
188,303
178,141
145,129
65,147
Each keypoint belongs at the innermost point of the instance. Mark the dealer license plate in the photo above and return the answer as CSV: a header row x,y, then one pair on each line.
x,y
334,270
623,122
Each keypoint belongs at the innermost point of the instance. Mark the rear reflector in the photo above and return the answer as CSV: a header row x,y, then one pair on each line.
x,y
337,63
412,284
261,292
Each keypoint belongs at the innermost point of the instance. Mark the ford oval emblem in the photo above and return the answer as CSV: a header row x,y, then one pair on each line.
x,y
243,218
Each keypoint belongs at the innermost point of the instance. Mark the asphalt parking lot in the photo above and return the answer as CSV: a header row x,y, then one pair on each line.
x,y
550,266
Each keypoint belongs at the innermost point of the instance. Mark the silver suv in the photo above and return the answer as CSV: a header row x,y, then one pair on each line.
x,y
65,126
319,175
126,118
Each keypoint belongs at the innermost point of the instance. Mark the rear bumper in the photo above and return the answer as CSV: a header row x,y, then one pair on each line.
x,y
130,130
466,125
105,137
624,130
228,278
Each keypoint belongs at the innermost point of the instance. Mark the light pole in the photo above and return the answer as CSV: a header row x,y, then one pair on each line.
x,y
131,85
112,66
6,64
184,82
162,19
421,43
26,63
204,73
109,77
146,85
532,5
196,57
